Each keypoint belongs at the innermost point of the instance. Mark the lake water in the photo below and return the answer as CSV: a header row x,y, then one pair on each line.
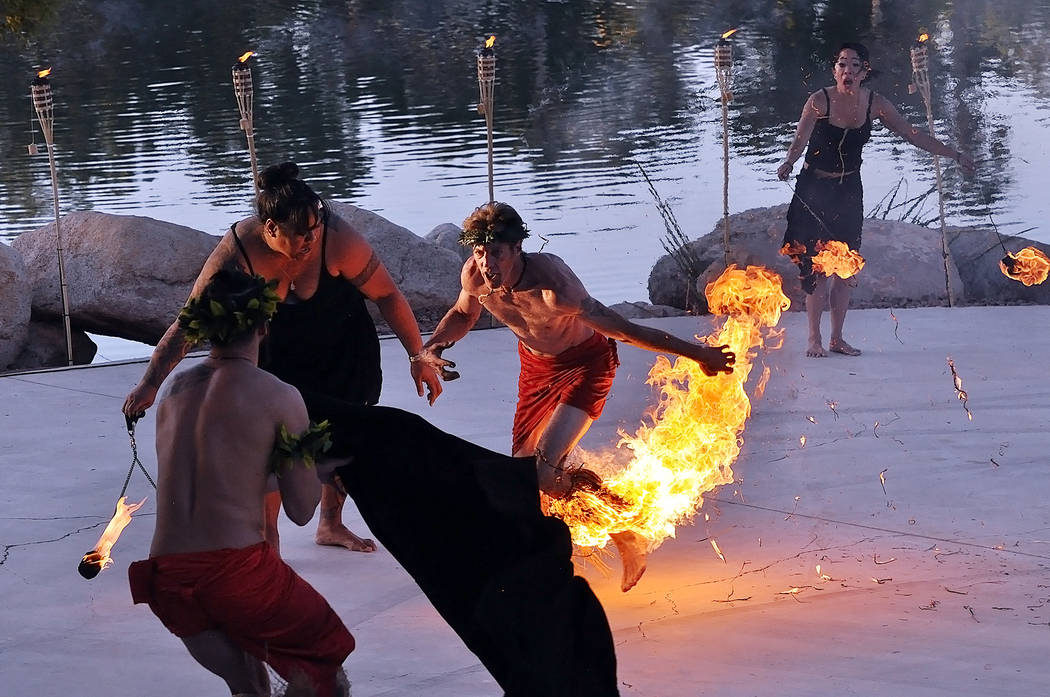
x,y
376,102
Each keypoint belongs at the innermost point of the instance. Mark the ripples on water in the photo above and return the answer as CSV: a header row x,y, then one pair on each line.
x,y
375,100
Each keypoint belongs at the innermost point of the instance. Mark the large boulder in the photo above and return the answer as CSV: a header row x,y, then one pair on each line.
x,y
977,251
46,347
446,235
904,266
127,275
427,273
15,305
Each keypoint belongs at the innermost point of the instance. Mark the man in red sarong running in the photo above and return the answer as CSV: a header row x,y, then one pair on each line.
x,y
210,577
566,345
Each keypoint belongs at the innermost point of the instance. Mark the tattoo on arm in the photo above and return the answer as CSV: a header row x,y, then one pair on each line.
x,y
367,272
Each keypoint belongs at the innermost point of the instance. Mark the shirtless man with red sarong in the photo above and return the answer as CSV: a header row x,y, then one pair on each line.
x,y
210,577
566,345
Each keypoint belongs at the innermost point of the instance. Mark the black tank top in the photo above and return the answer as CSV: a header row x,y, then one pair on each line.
x,y
835,149
326,343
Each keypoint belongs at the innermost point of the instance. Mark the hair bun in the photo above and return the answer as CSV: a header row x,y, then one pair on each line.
x,y
276,176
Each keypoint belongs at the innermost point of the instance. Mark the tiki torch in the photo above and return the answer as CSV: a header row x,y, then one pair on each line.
x,y
920,67
242,88
724,73
486,81
44,104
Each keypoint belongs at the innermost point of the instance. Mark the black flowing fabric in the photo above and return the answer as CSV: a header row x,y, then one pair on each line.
x,y
466,524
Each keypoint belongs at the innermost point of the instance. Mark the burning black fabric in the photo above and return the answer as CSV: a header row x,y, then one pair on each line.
x,y
466,524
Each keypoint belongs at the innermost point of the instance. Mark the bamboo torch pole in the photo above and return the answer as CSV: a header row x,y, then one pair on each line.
x,y
486,82
242,89
724,74
920,66
43,103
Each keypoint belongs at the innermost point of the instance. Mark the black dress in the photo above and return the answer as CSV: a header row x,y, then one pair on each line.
x,y
466,524
827,208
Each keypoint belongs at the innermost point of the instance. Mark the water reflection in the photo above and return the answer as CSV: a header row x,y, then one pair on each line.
x,y
375,99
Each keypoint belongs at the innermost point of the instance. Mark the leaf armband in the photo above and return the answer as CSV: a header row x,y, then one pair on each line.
x,y
307,446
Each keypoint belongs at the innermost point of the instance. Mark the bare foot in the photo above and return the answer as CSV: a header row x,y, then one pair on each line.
x,y
840,346
632,548
340,536
815,350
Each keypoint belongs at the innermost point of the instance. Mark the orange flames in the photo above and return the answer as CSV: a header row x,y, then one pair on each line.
x,y
1030,266
729,33
694,434
836,258
490,41
923,38
245,56
100,554
44,73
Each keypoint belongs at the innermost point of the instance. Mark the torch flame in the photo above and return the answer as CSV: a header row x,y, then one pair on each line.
x,y
923,38
729,33
245,56
490,41
836,258
694,435
119,521
1030,266
44,73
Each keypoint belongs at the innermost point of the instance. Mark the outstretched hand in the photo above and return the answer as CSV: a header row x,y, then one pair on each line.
x,y
431,355
424,374
715,359
966,162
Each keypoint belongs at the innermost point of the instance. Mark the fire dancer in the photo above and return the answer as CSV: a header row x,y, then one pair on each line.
x,y
567,347
322,339
828,200
211,578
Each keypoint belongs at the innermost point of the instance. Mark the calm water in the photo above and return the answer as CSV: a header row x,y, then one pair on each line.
x,y
376,101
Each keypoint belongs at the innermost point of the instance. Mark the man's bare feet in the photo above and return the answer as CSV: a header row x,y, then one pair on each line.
x,y
340,536
840,346
815,350
632,548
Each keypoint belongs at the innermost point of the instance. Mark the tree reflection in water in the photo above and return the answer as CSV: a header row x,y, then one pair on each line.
x,y
375,98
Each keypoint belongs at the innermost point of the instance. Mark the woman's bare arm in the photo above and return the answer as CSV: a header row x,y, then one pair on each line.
x,y
810,113
173,347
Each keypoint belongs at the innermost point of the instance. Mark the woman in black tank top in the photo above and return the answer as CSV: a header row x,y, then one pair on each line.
x,y
828,203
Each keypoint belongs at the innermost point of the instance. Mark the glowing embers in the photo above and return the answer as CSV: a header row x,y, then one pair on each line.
x,y
835,258
98,558
1030,266
694,432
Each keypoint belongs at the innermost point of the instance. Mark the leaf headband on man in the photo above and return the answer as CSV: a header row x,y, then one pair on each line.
x,y
232,304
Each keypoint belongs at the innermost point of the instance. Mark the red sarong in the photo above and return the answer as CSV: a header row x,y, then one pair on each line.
x,y
580,376
255,599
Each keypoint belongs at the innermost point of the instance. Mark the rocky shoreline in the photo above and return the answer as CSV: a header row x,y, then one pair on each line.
x,y
128,275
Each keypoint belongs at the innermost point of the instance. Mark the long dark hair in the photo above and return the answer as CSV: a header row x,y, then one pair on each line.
x,y
285,198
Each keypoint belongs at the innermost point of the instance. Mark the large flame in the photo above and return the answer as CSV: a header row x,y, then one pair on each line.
x,y
729,33
835,258
490,41
100,554
245,56
1030,266
44,73
695,432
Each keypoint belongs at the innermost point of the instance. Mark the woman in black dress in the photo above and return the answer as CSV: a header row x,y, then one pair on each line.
x,y
828,202
322,339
